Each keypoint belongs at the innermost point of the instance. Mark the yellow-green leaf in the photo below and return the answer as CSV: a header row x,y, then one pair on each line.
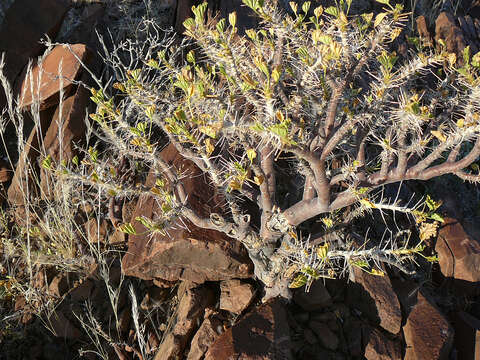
x,y
379,18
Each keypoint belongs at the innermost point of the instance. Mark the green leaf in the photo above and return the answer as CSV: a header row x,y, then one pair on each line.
x,y
47,163
437,217
191,57
251,154
199,12
306,6
332,10
127,228
189,24
298,282
221,25
379,18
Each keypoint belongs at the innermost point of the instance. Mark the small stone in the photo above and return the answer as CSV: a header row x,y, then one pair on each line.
x,y
235,296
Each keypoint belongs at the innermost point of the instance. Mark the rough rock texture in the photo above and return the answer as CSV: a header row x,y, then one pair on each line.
x,y
386,310
235,296
22,182
447,29
317,298
263,334
190,312
185,253
380,347
51,80
458,253
65,131
207,333
428,334
423,30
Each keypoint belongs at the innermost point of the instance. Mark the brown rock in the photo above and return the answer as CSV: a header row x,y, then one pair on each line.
x,y
317,298
187,252
25,23
59,285
5,171
423,30
262,334
190,311
60,143
96,231
27,168
428,334
385,309
51,81
205,336
327,338
380,347
467,336
235,296
458,253
447,29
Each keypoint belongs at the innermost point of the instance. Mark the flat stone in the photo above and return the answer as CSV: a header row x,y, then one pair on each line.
x,y
235,296
458,253
263,334
186,252
385,309
47,81
428,335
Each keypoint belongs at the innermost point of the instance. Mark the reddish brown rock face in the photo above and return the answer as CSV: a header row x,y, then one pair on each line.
x,y
235,296
25,23
190,312
379,288
66,130
458,253
187,252
48,78
428,334
261,335
380,347
446,29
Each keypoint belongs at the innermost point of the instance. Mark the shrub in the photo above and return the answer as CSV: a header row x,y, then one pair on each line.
x,y
316,96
